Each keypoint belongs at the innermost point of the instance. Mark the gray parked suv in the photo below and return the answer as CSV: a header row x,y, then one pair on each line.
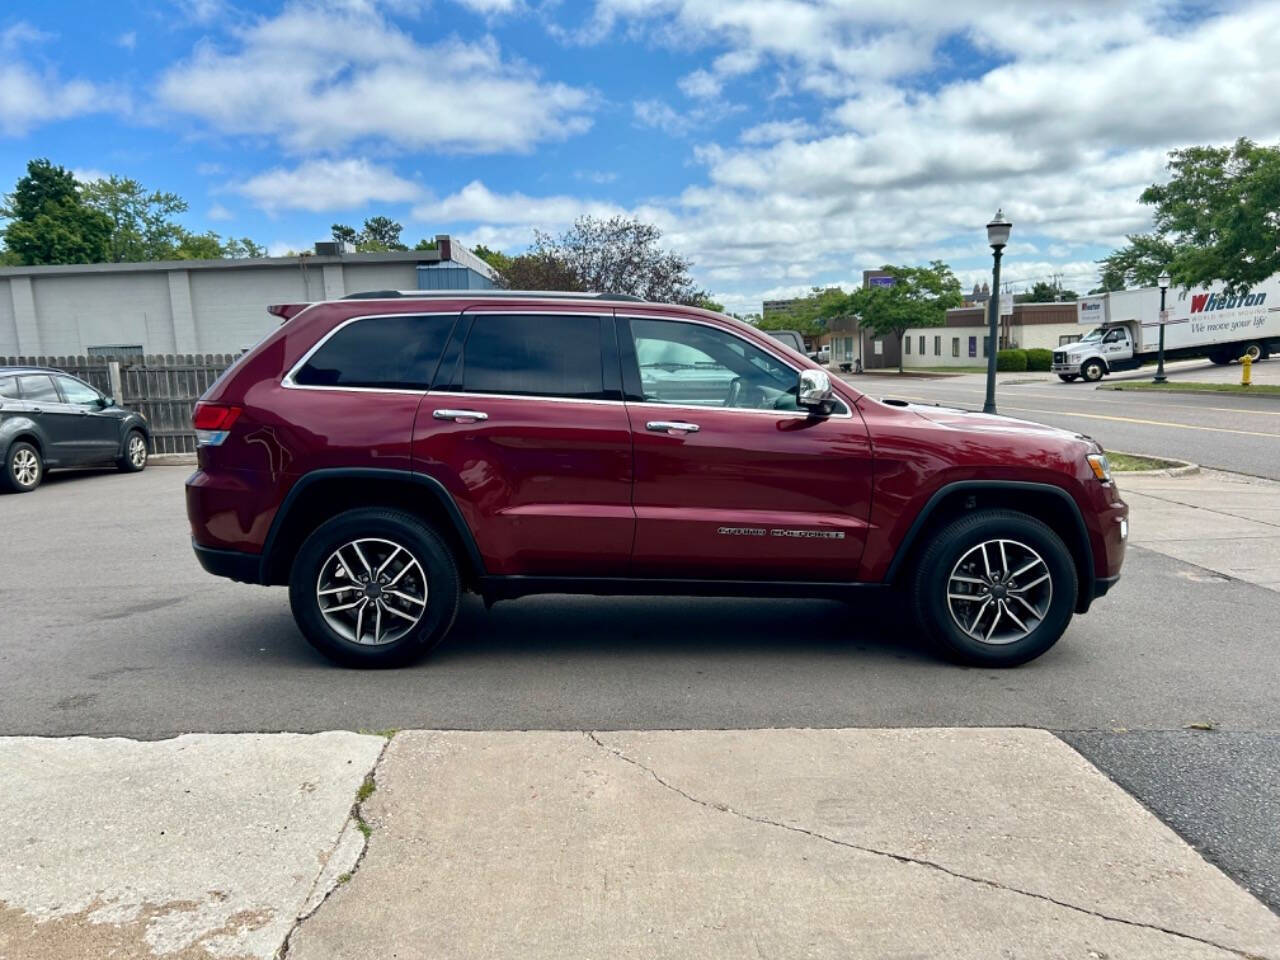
x,y
51,419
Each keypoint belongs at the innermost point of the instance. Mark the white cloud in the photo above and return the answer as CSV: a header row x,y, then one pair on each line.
x,y
219,212
29,98
20,36
127,40
488,7
202,11
701,84
322,185
595,176
88,174
320,76
662,116
476,203
775,130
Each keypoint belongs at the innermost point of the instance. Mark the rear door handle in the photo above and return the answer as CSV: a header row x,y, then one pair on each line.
x,y
671,426
461,416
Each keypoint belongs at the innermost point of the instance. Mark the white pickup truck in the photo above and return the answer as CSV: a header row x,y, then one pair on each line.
x,y
1201,322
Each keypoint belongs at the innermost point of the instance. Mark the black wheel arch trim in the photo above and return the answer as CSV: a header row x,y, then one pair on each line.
x,y
429,483
1087,584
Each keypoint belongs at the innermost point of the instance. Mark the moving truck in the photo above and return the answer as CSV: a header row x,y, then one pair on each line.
x,y
1201,322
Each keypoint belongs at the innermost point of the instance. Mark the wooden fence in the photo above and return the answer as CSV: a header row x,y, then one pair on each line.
x,y
164,389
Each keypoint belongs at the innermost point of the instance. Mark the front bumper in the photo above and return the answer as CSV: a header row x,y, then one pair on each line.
x,y
232,564
1067,367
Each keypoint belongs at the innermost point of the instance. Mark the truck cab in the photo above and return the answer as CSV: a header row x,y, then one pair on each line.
x,y
1102,350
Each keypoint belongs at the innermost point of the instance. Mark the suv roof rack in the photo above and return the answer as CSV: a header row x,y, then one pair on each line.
x,y
459,294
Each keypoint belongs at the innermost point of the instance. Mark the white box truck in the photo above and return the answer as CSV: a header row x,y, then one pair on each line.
x,y
1202,322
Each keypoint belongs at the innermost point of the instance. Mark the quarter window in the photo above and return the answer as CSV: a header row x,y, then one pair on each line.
x,y
694,365
398,352
38,387
535,356
79,393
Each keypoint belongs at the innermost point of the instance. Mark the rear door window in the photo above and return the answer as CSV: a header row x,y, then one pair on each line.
x,y
9,388
38,387
535,355
391,353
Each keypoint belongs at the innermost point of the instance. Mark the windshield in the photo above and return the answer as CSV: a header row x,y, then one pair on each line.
x,y
1094,334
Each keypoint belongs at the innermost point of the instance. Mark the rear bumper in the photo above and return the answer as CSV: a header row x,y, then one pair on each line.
x,y
232,564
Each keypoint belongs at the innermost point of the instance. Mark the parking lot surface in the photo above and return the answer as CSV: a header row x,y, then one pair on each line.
x,y
112,628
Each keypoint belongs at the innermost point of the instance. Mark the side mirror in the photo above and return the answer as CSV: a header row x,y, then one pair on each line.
x,y
814,392
105,402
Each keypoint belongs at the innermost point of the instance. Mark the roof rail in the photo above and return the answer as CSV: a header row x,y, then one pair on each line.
x,y
463,294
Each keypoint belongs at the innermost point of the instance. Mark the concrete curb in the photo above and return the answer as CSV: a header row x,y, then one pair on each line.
x,y
172,460
1186,468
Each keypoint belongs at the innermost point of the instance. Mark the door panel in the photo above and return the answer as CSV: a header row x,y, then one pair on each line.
x,y
97,429
60,421
761,489
543,481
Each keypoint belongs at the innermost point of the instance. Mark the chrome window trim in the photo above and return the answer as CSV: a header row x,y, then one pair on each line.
x,y
289,383
459,394
837,415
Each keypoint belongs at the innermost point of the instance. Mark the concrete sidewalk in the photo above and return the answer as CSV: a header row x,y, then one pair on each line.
x,y
1224,522
775,843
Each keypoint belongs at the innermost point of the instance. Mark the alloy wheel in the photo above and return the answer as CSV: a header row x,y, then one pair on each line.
x,y
999,591
137,452
26,468
372,591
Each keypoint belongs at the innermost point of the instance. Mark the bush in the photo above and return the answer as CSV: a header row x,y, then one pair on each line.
x,y
1039,359
1011,360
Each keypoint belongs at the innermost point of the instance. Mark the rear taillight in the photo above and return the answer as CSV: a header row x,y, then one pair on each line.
x,y
213,422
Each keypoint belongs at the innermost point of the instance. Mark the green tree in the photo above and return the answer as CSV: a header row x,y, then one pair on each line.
x,y
918,297
617,255
243,249
142,224
1045,291
426,243
1218,218
378,235
494,258
812,314
199,246
49,222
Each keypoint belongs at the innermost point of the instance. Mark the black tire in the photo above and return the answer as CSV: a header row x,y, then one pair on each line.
x,y
1221,357
1091,371
436,564
1254,350
23,468
931,587
1068,377
134,459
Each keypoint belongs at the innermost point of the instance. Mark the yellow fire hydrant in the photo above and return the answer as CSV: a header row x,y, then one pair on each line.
x,y
1246,367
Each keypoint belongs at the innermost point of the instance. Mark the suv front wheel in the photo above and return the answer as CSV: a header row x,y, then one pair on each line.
x,y
374,588
995,588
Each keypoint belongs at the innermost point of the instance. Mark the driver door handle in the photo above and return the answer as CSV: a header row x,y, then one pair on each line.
x,y
461,416
671,426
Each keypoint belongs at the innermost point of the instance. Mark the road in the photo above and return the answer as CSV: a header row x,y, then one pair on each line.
x,y
109,627
1227,431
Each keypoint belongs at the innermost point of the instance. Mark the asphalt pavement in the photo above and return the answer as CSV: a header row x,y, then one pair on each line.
x,y
1227,431
110,627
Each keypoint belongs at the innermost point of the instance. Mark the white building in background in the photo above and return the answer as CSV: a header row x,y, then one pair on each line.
x,y
962,340
203,306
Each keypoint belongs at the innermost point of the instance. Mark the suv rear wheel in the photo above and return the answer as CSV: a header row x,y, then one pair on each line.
x,y
995,588
374,588
23,468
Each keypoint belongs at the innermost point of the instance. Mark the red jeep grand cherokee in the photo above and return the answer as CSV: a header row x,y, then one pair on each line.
x,y
383,453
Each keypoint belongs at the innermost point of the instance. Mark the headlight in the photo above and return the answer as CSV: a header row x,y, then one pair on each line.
x,y
1101,469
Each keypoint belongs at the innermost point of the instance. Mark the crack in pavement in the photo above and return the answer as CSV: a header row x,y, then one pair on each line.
x,y
354,817
903,858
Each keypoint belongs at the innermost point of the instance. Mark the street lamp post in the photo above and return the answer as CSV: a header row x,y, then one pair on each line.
x,y
998,236
1163,280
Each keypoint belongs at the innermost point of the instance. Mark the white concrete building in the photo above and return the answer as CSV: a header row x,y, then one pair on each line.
x,y
962,340
202,306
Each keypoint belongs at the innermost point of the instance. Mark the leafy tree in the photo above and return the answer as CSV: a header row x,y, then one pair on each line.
x,y
142,224
617,255
918,297
1218,218
426,243
1044,291
199,246
812,314
243,249
539,270
494,258
49,222
378,235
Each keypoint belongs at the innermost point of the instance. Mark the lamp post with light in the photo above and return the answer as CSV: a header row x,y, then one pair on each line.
x,y
1163,280
998,236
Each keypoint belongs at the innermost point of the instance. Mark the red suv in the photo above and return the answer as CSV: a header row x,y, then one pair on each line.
x,y
383,453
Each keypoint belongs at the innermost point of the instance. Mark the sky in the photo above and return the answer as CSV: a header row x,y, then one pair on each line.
x,y
779,144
